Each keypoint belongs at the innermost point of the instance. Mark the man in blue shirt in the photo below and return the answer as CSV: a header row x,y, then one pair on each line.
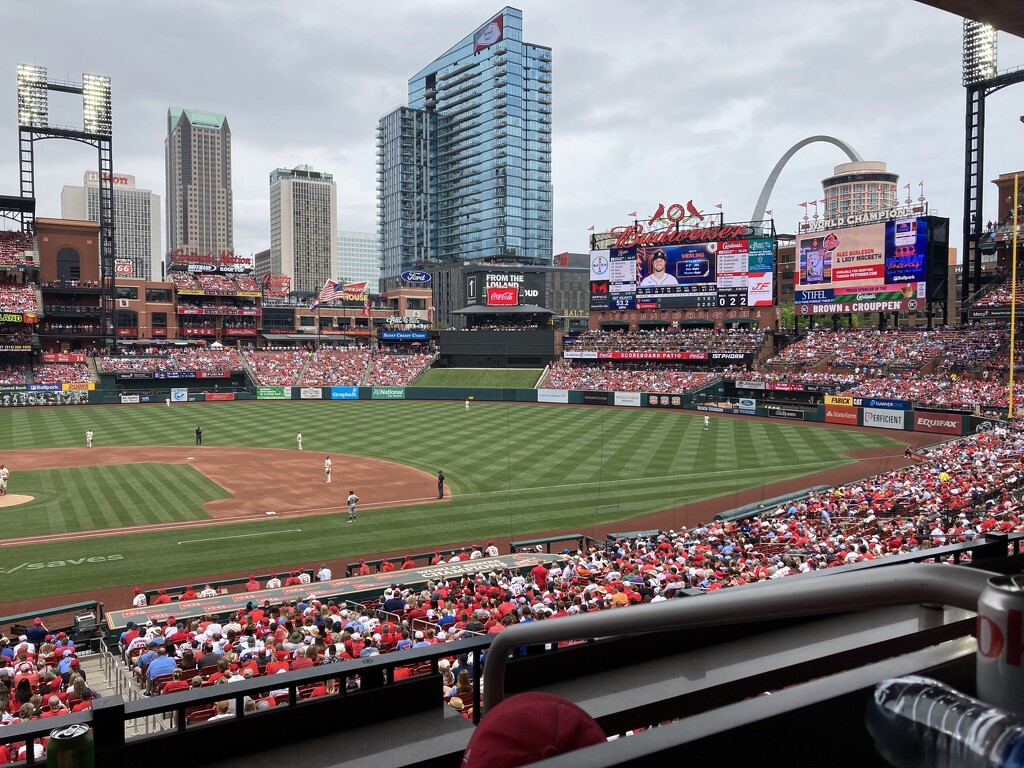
x,y
162,664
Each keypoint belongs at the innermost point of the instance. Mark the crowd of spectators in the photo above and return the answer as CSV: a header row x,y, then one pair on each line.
x,y
184,280
276,368
947,392
134,364
18,334
397,369
247,283
574,374
329,367
206,359
1001,295
12,372
13,247
216,284
17,297
60,373
40,677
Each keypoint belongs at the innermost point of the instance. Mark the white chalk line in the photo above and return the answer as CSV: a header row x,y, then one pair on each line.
x,y
240,536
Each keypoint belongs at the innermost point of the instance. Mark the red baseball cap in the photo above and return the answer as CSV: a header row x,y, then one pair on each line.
x,y
553,726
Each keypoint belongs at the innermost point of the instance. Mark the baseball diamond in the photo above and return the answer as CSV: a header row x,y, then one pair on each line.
x,y
522,469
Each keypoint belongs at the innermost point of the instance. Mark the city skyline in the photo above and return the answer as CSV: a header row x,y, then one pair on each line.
x,y
671,102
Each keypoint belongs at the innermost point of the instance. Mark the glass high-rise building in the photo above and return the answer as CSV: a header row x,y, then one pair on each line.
x,y
464,172
303,226
199,201
359,258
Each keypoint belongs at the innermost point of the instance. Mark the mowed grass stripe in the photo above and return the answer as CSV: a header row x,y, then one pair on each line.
x,y
570,467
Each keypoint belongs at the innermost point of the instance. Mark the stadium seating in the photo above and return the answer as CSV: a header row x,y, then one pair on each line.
x,y
13,245
397,370
15,297
59,373
277,368
328,367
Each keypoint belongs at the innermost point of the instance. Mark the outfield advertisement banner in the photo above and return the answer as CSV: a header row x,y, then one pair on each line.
x,y
211,396
941,423
387,393
552,395
664,401
179,395
785,413
630,399
311,393
78,385
344,393
884,418
273,393
24,397
595,398
742,384
841,414
128,399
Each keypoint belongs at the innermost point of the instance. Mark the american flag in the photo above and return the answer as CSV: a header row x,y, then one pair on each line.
x,y
332,291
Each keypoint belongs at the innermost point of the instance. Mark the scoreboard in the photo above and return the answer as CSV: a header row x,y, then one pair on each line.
x,y
727,273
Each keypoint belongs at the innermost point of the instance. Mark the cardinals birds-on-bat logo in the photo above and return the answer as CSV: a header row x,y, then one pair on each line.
x,y
675,213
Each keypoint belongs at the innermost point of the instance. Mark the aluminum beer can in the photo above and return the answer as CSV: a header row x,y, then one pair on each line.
x,y
1000,676
70,747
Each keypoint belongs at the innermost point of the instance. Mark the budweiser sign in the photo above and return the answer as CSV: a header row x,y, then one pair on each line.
x,y
502,296
636,234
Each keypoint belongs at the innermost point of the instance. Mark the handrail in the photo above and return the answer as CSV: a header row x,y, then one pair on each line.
x,y
843,592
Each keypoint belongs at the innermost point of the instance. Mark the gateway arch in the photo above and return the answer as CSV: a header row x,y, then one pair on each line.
x,y
769,184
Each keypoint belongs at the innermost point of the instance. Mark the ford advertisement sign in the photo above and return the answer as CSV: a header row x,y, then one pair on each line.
x,y
416,276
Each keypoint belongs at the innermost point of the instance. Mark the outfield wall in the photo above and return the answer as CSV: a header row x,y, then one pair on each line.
x,y
897,415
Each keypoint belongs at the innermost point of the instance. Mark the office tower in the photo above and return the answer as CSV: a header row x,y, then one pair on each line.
x,y
464,172
199,200
303,226
136,221
359,258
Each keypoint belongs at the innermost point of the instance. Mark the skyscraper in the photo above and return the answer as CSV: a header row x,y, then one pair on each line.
x,y
199,199
303,226
136,220
359,258
464,172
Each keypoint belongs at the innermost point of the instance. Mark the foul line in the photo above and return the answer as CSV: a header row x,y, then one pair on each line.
x,y
240,536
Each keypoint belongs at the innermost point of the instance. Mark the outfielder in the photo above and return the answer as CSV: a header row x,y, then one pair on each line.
x,y
327,469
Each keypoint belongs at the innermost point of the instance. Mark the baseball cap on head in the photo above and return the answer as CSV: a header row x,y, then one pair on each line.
x,y
527,728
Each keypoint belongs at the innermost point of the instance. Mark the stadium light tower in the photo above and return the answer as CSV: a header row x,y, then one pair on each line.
x,y
980,79
97,127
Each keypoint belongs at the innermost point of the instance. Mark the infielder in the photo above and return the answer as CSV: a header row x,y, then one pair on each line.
x,y
4,472
327,469
298,440
88,438
352,499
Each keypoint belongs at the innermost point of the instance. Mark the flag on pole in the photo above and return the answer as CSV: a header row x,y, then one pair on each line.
x,y
718,206
333,290
769,211
822,201
803,205
907,186
314,305
633,214
590,229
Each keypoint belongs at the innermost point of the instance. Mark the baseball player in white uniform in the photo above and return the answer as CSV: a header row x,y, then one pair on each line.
x,y
298,439
327,469
88,438
4,473
352,499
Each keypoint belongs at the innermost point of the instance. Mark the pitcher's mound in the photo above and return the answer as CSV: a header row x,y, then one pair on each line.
x,y
14,499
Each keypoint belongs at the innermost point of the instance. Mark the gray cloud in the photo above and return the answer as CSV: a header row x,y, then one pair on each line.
x,y
655,100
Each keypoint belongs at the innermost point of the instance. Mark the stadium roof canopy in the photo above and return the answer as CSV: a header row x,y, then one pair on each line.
x,y
520,309
1004,15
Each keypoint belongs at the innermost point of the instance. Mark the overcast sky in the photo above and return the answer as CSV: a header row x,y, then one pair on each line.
x,y
654,100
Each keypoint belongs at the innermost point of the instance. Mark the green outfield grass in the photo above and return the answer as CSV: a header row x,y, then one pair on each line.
x,y
494,378
515,470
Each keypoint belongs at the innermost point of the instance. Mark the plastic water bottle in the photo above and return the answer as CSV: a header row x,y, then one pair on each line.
x,y
918,722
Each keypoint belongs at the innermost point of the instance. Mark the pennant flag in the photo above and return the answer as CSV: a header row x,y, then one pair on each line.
x,y
907,186
718,206
803,205
821,201
769,212
366,307
590,229
632,215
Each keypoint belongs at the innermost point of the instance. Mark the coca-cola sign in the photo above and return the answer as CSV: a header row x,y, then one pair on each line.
x,y
502,296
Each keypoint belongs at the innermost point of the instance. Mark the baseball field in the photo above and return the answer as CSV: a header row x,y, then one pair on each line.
x,y
146,505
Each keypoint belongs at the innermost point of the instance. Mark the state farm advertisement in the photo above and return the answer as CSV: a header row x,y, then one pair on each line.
x,y
940,423
841,414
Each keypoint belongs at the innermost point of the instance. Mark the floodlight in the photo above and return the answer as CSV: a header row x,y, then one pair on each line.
x,y
980,49
96,112
33,110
